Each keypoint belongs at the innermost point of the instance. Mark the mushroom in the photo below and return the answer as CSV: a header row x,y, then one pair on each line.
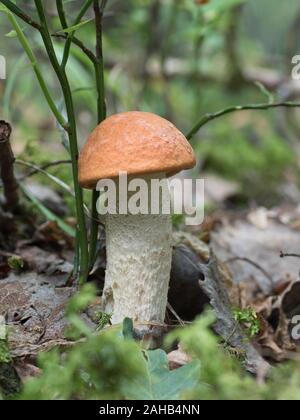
x,y
139,246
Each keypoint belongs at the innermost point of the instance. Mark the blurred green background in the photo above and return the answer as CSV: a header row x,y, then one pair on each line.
x,y
180,59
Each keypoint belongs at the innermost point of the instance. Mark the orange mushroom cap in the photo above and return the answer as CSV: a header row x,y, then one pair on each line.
x,y
138,143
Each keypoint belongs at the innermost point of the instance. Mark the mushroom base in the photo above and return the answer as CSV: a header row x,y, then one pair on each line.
x,y
139,256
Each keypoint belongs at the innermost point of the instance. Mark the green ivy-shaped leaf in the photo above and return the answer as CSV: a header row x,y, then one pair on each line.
x,y
161,383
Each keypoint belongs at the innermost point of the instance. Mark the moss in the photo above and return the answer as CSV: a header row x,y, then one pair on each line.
x,y
4,352
10,383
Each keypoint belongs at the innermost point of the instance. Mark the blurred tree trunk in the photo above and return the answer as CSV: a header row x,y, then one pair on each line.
x,y
10,185
235,76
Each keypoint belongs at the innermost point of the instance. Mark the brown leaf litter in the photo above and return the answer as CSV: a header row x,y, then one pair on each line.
x,y
260,237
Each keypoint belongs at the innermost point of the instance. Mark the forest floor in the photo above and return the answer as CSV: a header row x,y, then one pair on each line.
x,y
36,283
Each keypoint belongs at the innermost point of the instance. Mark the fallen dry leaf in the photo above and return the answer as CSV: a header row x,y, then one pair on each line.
x,y
178,358
26,370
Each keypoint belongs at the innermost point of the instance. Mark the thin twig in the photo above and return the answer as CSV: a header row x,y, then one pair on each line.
x,y
173,312
210,117
7,167
50,176
53,178
79,44
63,20
21,14
284,255
41,168
45,167
254,264
99,64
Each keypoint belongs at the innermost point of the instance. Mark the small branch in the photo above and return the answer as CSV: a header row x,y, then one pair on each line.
x,y
64,24
7,167
50,176
210,117
254,264
177,317
99,64
61,13
284,255
42,168
19,12
57,181
98,21
79,44
45,167
83,10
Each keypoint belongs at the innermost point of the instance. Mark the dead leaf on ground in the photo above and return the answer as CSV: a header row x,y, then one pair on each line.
x,y
26,370
178,358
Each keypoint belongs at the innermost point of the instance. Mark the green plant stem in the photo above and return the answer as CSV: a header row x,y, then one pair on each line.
x,y
83,10
64,24
94,229
101,109
210,117
46,166
72,133
78,44
101,113
63,20
99,63
99,75
25,44
27,19
61,13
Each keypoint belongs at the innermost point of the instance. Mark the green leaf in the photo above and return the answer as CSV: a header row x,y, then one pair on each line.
x,y
128,328
74,28
11,34
161,383
5,356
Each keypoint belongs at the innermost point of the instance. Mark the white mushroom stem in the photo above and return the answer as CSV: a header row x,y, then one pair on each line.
x,y
139,255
